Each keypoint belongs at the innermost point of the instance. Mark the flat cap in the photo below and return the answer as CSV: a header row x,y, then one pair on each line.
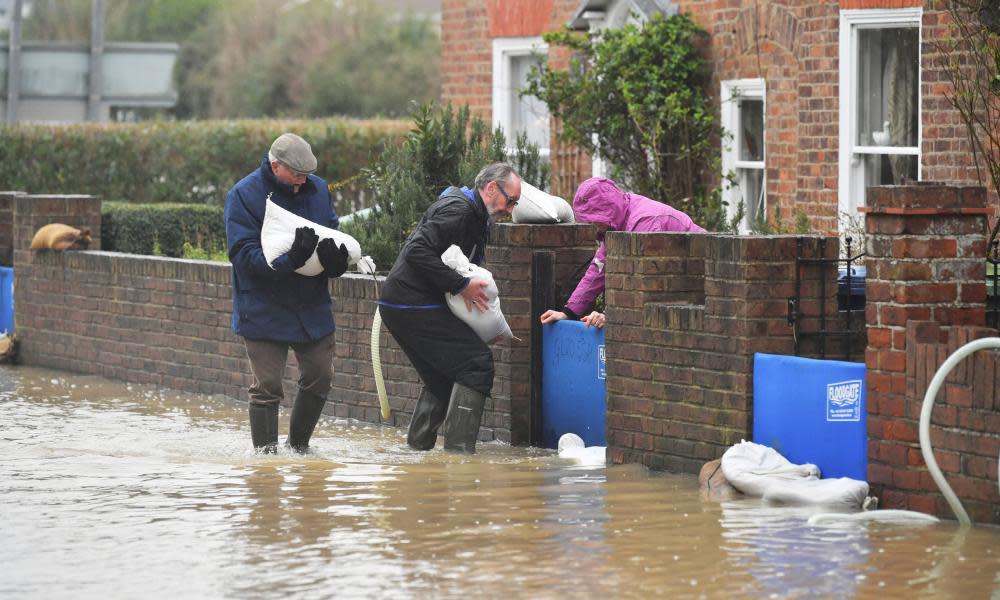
x,y
294,152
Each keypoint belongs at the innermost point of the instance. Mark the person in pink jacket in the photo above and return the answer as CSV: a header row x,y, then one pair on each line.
x,y
599,201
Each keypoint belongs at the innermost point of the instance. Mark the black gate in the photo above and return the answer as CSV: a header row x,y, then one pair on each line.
x,y
992,287
850,302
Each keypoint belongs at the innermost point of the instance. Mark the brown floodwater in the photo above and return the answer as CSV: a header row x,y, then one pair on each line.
x,y
127,491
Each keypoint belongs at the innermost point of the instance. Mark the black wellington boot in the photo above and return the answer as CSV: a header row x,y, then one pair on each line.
x,y
461,424
305,414
264,427
427,417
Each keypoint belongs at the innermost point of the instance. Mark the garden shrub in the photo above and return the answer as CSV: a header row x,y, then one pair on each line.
x,y
161,229
446,147
170,161
643,89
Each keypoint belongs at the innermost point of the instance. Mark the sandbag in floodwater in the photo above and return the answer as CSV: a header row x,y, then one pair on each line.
x,y
758,470
572,447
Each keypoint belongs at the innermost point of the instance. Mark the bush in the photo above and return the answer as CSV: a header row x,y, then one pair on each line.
x,y
162,229
164,161
445,148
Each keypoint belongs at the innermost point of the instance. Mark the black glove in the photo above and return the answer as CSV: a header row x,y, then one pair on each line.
x,y
333,259
303,246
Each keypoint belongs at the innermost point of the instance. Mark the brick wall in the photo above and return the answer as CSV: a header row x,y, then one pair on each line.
x,y
793,45
166,321
7,227
926,296
686,314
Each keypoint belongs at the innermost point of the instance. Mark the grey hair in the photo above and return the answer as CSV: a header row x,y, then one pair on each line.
x,y
499,172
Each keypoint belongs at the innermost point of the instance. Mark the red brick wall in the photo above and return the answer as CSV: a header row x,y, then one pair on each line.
x,y
686,314
167,321
926,296
466,56
797,55
468,28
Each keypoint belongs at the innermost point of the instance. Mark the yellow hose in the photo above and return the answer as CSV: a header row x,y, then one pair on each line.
x,y
383,399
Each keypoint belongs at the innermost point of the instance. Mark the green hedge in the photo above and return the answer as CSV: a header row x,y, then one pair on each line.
x,y
180,161
161,229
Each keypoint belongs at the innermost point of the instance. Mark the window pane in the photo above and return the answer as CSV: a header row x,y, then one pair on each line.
x,y
751,182
888,67
528,113
889,169
751,130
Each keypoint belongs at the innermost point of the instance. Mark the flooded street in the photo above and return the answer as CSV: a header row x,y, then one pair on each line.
x,y
116,491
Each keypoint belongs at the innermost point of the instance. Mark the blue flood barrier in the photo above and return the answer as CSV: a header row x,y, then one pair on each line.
x,y
812,411
6,299
573,383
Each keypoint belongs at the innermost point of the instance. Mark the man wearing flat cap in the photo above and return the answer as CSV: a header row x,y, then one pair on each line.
x,y
274,307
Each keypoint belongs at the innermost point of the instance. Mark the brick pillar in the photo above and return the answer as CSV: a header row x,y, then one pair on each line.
x,y
926,246
7,227
509,257
32,212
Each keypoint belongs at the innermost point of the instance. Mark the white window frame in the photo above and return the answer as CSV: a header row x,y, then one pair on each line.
x,y
851,188
503,50
732,91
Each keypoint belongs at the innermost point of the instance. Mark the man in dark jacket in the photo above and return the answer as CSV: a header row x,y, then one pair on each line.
x,y
455,366
275,308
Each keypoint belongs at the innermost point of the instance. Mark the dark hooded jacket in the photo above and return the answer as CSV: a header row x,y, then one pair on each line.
x,y
418,278
273,302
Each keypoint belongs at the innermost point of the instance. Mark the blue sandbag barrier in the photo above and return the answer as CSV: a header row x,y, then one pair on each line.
x,y
6,300
812,411
573,383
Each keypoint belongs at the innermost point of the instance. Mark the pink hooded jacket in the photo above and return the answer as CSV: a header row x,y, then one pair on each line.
x,y
599,200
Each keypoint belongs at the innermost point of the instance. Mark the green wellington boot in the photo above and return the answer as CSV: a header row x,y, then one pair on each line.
x,y
461,424
427,416
264,427
305,414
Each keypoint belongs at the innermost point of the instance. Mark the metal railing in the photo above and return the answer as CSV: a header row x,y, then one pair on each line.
x,y
846,309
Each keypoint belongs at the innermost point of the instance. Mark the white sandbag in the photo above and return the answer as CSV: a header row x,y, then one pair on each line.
x,y
572,447
900,517
536,206
752,468
278,233
489,324
840,492
758,470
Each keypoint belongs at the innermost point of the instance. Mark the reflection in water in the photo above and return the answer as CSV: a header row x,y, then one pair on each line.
x,y
775,546
130,491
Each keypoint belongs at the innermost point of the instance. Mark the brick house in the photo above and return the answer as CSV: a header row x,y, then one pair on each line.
x,y
798,66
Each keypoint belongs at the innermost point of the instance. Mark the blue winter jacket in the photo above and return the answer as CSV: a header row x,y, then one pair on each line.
x,y
273,302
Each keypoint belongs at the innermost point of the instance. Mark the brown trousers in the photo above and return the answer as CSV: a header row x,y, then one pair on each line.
x,y
267,363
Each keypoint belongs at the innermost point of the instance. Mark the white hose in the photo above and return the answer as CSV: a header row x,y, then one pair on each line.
x,y
383,399
925,423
